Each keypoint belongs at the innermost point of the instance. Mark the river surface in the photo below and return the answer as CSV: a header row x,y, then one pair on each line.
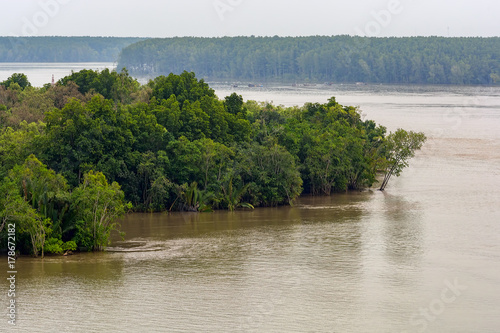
x,y
423,256
41,73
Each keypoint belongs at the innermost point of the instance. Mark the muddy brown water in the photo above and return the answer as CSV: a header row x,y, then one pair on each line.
x,y
423,256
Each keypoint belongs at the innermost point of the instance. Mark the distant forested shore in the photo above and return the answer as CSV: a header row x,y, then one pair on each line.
x,y
63,49
315,59
337,59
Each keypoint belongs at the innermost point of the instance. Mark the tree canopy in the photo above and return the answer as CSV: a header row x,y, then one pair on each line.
x,y
17,78
400,146
98,144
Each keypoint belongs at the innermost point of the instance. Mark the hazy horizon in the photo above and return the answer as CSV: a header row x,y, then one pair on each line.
x,y
219,18
256,36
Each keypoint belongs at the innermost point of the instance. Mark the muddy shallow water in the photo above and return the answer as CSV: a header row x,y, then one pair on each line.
x,y
422,256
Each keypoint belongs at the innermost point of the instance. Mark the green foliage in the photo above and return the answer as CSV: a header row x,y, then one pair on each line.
x,y
57,246
234,105
32,104
421,60
83,136
21,80
233,196
192,199
17,145
69,246
271,173
34,197
185,158
42,188
215,160
326,162
174,145
97,205
37,228
155,186
112,85
399,147
12,206
185,87
53,245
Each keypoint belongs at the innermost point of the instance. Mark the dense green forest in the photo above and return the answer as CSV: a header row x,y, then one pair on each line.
x,y
62,49
336,59
76,155
419,60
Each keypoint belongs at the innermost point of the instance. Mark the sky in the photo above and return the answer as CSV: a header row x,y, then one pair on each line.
x,y
211,18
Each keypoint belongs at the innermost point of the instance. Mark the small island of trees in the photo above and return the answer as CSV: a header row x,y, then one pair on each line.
x,y
77,155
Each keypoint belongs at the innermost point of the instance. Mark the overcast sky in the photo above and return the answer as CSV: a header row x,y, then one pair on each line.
x,y
168,18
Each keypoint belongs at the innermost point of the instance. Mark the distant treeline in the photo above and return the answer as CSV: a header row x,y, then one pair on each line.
x,y
62,49
420,60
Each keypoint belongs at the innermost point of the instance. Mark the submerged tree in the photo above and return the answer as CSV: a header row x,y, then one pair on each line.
x,y
192,199
400,147
12,205
98,205
35,197
233,195
14,208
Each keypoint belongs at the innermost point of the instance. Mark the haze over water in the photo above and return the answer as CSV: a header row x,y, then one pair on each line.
x,y
41,73
422,256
